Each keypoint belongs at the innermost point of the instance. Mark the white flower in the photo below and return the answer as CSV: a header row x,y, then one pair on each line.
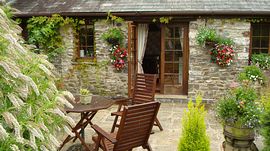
x,y
43,148
3,132
68,131
70,121
10,120
54,140
16,101
8,69
35,131
14,147
45,70
30,82
69,95
63,101
57,111
43,126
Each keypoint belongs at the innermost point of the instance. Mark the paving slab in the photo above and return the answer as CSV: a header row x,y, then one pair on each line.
x,y
170,115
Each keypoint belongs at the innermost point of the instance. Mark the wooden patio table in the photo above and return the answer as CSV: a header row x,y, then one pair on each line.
x,y
87,111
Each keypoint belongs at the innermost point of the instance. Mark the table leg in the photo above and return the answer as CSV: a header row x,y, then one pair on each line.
x,y
86,118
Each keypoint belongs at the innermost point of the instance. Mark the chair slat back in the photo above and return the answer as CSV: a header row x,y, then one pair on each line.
x,y
144,88
136,125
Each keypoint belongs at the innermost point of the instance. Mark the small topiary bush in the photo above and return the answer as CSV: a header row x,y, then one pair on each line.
x,y
194,136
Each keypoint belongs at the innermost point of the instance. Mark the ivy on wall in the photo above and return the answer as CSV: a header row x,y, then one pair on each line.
x,y
44,33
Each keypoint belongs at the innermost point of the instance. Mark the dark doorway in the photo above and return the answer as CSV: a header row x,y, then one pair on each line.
x,y
152,52
151,60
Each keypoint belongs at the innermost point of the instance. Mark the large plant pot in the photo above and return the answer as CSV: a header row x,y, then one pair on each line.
x,y
238,139
86,99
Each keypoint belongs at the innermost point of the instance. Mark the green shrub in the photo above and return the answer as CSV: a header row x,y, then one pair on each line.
x,y
262,60
30,115
252,73
265,120
239,108
194,136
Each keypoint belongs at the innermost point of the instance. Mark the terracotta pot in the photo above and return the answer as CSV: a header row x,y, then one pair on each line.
x,y
238,139
86,99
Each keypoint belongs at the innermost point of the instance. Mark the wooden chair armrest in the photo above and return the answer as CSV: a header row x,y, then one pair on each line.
x,y
103,133
123,101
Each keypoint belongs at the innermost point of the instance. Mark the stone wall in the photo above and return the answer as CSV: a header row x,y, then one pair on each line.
x,y
208,78
98,75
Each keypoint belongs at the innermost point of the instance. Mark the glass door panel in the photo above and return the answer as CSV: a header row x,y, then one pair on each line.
x,y
173,63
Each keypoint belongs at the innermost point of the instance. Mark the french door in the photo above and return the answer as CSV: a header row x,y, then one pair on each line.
x,y
174,59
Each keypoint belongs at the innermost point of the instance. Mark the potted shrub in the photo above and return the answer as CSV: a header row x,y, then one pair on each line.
x,y
114,36
239,113
85,96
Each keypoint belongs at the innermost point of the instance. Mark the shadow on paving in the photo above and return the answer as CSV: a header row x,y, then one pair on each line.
x,y
170,115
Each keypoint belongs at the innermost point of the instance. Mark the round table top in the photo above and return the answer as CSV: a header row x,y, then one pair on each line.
x,y
97,103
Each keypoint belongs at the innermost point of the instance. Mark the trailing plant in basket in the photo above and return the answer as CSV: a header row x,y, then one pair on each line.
x,y
114,36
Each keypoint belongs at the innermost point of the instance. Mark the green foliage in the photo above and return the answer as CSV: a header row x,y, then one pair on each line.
x,y
30,114
113,18
8,11
265,119
162,20
252,73
262,60
239,108
194,136
114,36
209,35
225,41
206,35
44,33
84,91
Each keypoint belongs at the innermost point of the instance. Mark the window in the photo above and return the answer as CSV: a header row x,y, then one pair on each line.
x,y
260,42
86,40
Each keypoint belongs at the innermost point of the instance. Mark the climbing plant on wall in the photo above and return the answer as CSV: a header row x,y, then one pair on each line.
x,y
44,33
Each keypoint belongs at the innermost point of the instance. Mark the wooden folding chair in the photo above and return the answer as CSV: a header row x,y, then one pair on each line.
x,y
144,91
134,130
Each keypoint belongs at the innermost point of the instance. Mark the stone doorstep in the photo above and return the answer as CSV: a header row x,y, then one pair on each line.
x,y
179,99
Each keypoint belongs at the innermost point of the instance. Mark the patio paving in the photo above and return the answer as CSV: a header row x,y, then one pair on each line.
x,y
170,115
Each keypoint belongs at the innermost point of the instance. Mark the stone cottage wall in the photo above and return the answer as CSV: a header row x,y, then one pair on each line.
x,y
208,78
99,76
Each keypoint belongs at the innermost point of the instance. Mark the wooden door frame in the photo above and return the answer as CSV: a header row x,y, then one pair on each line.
x,y
130,24
185,57
162,57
